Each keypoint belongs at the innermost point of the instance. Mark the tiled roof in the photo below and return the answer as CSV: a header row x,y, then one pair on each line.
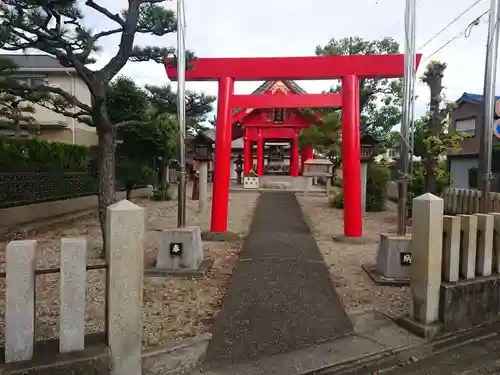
x,y
474,98
34,61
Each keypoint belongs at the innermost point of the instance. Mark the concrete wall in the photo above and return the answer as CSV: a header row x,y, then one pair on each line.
x,y
459,169
16,216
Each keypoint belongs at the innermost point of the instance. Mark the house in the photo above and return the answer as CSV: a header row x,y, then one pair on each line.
x,y
36,69
468,117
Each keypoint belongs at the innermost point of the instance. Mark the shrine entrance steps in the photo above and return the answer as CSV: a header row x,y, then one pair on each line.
x,y
281,296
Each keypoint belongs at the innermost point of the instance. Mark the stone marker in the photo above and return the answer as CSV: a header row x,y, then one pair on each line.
x,y
20,300
203,181
125,228
389,256
189,253
451,248
496,242
427,252
73,287
484,244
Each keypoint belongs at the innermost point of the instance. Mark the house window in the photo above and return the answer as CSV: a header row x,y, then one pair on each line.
x,y
33,81
278,115
465,125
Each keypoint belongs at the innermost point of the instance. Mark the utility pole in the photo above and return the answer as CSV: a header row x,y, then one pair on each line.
x,y
181,114
490,73
407,113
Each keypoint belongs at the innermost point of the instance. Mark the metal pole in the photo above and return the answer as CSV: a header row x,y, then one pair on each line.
x,y
409,67
181,114
489,102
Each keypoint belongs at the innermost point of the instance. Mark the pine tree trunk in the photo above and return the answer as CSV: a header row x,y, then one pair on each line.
x,y
107,189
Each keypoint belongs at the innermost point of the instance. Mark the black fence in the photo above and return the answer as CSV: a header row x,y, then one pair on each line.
x,y
18,189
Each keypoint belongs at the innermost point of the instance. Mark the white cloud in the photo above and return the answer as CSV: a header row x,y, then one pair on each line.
x,y
225,28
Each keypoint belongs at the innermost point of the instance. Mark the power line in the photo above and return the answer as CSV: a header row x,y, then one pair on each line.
x,y
451,23
466,33
396,22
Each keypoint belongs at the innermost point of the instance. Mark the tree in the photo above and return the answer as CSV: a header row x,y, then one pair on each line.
x,y
158,138
380,100
57,28
432,138
324,135
198,105
15,114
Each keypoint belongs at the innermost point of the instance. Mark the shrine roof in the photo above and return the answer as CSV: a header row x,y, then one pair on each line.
x,y
292,85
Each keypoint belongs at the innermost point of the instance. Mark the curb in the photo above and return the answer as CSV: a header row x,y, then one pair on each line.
x,y
390,359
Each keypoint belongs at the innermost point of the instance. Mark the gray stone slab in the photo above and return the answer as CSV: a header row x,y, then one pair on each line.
x,y
20,300
305,360
189,240
73,287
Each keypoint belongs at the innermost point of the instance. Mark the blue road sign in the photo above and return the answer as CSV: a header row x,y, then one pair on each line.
x,y
496,128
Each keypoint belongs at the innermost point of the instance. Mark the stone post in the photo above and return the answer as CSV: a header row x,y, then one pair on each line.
x,y
364,179
20,300
484,244
496,242
125,229
73,287
426,250
203,181
451,248
468,245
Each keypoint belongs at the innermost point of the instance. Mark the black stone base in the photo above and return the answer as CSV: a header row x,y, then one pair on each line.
x,y
220,236
199,273
352,240
426,331
468,303
379,279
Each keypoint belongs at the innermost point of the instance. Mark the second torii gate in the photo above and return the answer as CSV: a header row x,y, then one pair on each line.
x,y
347,68
289,131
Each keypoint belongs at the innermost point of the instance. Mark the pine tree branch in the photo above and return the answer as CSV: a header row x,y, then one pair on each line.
x,y
113,17
118,61
131,123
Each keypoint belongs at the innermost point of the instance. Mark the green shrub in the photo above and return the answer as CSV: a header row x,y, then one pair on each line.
x,y
417,184
162,194
376,189
338,202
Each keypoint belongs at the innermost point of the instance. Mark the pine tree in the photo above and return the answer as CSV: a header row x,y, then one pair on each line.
x,y
57,27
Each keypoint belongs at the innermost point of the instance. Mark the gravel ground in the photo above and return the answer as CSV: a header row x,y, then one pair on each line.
x,y
355,287
173,308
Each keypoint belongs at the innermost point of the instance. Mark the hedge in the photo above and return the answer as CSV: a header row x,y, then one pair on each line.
x,y
34,171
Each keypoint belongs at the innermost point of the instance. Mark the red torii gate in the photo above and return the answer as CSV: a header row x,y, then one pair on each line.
x,y
347,68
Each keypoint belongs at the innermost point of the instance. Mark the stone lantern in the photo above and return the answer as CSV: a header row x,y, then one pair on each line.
x,y
203,155
367,146
239,169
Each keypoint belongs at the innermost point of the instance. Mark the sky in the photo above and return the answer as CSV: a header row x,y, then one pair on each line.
x,y
267,28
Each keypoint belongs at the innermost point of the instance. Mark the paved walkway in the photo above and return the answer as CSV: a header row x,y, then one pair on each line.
x,y
281,296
